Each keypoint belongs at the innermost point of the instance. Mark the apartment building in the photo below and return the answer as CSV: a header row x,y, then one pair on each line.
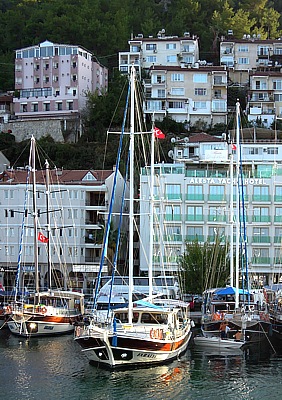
x,y
79,204
264,103
187,94
51,81
160,50
192,199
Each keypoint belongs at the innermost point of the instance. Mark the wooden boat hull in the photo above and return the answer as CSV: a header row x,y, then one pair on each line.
x,y
127,350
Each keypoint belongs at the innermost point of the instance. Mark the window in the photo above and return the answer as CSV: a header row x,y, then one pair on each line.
x,y
194,213
243,48
46,106
218,80
277,84
177,91
59,106
261,192
200,78
200,92
70,105
34,107
173,191
177,77
151,46
243,60
151,59
217,190
200,104
171,46
176,104
161,93
23,108
171,59
219,106
194,231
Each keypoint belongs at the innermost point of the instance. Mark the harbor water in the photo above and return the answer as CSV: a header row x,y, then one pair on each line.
x,y
55,368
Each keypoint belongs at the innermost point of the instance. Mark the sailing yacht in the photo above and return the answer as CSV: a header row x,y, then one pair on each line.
x,y
146,332
243,308
52,311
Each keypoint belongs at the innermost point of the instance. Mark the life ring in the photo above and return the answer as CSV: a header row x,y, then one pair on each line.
x,y
156,334
44,310
8,309
78,330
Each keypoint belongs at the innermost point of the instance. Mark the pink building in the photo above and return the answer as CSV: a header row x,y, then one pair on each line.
x,y
51,80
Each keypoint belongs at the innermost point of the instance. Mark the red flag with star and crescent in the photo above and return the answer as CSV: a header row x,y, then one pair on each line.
x,y
42,238
158,133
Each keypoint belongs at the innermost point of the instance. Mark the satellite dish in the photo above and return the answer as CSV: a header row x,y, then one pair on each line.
x,y
186,139
171,154
173,140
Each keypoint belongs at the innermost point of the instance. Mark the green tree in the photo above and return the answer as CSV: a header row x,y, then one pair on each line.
x,y
204,266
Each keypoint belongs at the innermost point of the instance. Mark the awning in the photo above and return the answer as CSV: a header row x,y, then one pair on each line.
x,y
230,290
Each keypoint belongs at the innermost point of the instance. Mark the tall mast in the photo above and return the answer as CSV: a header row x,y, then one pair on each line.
x,y
237,264
131,190
151,216
231,223
48,224
35,216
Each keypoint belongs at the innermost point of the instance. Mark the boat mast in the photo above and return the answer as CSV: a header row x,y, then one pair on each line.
x,y
231,222
49,278
151,217
131,191
237,264
35,216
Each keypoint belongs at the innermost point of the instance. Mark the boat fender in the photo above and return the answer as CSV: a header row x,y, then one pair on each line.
x,y
156,334
44,310
8,309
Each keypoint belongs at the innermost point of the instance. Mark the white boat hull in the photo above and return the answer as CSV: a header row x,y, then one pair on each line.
x,y
41,328
217,342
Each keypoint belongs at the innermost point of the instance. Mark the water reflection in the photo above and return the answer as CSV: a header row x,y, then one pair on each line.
x,y
59,366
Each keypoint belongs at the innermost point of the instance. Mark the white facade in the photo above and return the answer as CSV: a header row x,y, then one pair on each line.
x,y
79,201
192,199
161,50
187,94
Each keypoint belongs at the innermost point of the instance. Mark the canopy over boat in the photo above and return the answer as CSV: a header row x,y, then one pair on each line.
x,y
230,290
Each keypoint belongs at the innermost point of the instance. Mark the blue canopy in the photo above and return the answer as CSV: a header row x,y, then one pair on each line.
x,y
144,303
230,290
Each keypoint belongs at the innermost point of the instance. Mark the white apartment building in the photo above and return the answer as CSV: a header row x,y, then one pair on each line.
x,y
187,94
160,50
51,81
192,200
250,52
265,97
79,204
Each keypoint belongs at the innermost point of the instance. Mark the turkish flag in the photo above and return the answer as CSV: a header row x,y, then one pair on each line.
x,y
233,146
42,238
158,133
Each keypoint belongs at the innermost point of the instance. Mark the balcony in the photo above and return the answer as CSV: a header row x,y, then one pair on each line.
x,y
260,218
193,197
260,239
172,238
172,217
192,238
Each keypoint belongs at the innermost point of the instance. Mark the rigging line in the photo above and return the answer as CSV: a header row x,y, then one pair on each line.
x,y
118,237
106,234
22,231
